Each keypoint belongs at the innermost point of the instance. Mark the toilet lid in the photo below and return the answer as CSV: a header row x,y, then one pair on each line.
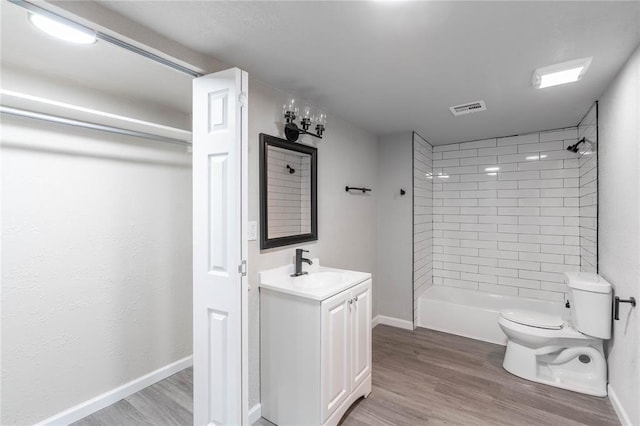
x,y
533,319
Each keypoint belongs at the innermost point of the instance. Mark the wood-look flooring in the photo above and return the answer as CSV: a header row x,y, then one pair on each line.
x,y
427,377
168,402
420,377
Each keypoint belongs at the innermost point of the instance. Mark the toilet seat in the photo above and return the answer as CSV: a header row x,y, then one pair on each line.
x,y
564,332
533,319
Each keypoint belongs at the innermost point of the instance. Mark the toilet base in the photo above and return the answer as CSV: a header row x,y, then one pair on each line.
x,y
580,369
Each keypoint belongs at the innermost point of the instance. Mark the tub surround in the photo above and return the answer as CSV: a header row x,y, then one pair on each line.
x,y
422,219
588,129
506,214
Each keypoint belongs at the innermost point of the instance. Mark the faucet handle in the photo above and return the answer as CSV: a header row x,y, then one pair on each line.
x,y
302,251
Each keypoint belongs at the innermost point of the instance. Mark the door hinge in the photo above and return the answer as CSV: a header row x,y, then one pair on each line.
x,y
242,268
242,98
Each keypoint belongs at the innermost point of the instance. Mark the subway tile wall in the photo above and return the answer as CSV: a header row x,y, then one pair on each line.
x,y
422,219
588,129
289,203
506,214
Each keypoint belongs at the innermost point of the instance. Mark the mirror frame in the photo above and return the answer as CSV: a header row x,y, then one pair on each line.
x,y
267,243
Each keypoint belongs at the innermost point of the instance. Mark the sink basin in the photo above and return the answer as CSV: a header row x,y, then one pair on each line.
x,y
320,283
318,280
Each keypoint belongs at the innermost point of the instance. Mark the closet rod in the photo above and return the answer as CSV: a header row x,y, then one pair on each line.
x,y
87,125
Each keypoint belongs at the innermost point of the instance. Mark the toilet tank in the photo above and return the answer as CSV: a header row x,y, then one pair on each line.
x,y
590,296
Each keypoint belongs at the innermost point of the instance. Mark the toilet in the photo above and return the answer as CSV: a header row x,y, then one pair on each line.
x,y
563,352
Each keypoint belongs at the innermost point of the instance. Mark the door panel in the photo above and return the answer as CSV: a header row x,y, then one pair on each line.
x,y
361,320
219,247
335,345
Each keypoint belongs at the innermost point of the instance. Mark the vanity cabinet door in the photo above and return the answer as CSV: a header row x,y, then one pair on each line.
x,y
336,347
361,328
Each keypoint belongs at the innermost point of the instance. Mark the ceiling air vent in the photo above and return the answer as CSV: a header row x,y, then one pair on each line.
x,y
468,108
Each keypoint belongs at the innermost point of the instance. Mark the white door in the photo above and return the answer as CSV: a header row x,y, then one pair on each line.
x,y
335,346
219,248
361,350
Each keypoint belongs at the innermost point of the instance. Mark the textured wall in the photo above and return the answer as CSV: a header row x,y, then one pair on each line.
x,y
422,219
619,225
505,214
588,129
347,236
96,264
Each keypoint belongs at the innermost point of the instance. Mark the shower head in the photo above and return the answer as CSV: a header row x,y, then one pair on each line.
x,y
574,148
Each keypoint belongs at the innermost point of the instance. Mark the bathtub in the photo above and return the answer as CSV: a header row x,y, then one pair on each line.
x,y
472,313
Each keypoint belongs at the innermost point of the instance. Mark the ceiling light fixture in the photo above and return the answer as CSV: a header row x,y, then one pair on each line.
x,y
566,72
64,30
309,114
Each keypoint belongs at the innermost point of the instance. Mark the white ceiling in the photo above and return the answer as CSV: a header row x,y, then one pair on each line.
x,y
397,66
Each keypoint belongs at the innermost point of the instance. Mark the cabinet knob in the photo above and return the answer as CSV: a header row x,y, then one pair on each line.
x,y
356,298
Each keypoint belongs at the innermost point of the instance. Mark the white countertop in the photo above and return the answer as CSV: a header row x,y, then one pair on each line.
x,y
279,279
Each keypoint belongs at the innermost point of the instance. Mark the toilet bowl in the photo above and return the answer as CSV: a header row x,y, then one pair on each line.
x,y
565,353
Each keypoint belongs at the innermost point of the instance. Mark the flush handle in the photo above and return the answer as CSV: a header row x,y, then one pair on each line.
x,y
616,306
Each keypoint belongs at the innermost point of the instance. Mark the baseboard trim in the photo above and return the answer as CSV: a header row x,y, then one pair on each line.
x,y
375,321
393,322
255,413
89,407
618,408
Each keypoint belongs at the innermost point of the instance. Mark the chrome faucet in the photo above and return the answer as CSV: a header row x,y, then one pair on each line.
x,y
299,260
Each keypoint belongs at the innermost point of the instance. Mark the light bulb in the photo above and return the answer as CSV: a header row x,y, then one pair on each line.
x,y
291,104
307,111
321,117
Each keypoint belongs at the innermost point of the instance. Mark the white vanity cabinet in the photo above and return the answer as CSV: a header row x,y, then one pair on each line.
x,y
315,354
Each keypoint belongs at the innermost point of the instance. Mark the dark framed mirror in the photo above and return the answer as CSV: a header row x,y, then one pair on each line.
x,y
288,192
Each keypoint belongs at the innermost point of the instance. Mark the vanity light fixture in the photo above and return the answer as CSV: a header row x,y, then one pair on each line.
x,y
565,72
492,169
63,29
291,111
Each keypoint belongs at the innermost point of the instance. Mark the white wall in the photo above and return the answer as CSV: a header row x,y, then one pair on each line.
x,y
505,214
422,219
395,226
619,226
96,264
346,222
